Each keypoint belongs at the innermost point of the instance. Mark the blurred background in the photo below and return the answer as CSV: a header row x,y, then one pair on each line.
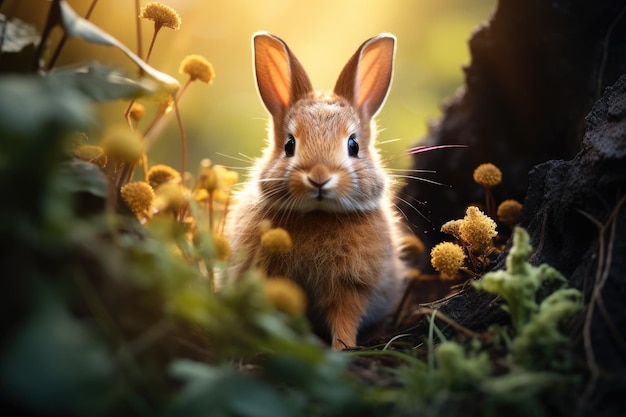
x,y
227,119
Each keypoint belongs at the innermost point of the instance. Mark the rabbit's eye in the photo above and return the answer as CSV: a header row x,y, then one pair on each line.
x,y
290,146
353,146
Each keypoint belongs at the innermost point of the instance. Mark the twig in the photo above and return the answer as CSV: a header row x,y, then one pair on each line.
x,y
602,274
57,51
605,51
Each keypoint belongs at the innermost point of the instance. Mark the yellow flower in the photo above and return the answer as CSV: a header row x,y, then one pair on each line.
x,y
161,14
161,174
222,248
488,175
264,226
447,258
229,178
170,197
209,176
136,111
509,212
411,246
452,227
138,196
122,144
276,240
91,153
478,230
286,296
197,68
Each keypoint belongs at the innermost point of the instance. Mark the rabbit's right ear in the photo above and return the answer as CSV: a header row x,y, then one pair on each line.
x,y
281,79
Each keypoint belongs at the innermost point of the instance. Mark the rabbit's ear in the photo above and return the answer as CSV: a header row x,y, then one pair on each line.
x,y
366,78
279,76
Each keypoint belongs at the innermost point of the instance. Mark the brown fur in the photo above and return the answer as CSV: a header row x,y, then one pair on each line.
x,y
336,207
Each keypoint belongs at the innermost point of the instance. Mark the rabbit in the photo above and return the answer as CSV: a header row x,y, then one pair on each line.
x,y
320,178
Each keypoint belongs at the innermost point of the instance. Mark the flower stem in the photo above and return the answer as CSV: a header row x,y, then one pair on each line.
x,y
183,138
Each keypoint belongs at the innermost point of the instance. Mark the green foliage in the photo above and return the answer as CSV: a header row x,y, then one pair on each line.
x,y
535,324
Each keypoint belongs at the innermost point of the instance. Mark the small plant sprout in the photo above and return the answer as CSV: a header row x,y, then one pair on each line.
x,y
535,325
447,258
488,175
285,295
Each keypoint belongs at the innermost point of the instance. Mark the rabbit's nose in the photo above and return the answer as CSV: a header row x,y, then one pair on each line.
x,y
317,184
318,176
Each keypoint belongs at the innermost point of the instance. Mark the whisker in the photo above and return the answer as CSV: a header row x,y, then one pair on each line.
x,y
384,142
247,158
428,148
413,207
412,177
420,171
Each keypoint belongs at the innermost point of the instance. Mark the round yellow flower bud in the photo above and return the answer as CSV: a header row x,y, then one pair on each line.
x,y
286,296
136,111
197,68
447,258
122,144
161,15
488,175
91,153
222,248
264,226
138,196
160,174
509,212
276,240
170,197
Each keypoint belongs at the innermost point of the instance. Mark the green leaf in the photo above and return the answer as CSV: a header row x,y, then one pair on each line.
x,y
102,83
78,176
221,391
53,364
32,104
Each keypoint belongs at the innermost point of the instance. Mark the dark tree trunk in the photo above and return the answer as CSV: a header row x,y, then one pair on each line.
x,y
537,69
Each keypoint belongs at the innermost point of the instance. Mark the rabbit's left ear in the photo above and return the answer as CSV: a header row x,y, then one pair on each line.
x,y
366,77
280,78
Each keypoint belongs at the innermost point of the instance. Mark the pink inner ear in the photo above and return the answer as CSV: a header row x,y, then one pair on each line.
x,y
374,75
273,74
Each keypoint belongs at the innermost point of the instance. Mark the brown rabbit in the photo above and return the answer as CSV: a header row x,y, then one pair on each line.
x,y
321,179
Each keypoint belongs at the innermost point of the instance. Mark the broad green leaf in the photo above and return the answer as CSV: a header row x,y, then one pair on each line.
x,y
77,176
102,83
53,364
